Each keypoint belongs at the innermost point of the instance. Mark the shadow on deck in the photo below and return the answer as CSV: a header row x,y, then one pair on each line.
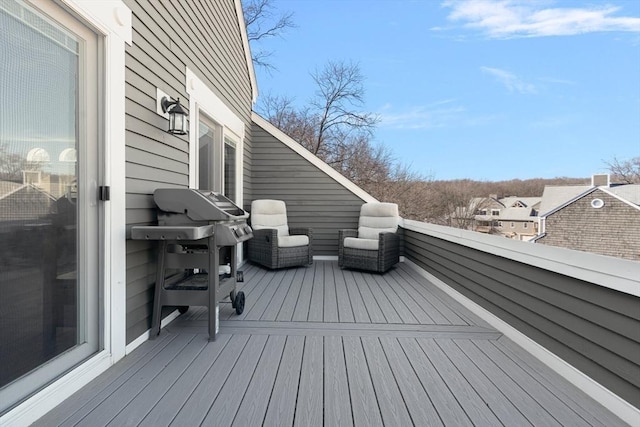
x,y
325,346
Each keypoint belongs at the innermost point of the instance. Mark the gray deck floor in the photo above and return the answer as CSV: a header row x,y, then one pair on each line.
x,y
322,346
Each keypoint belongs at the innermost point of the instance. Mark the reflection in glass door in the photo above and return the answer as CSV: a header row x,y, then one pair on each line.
x,y
48,208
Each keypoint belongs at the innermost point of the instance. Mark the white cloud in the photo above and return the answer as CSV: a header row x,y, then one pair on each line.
x,y
434,115
512,82
528,18
440,114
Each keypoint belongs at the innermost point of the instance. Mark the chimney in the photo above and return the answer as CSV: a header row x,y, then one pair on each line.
x,y
600,180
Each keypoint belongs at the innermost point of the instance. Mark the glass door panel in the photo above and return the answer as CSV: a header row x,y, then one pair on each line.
x,y
48,208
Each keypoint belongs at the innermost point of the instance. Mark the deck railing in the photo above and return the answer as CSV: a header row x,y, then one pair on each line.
x,y
578,312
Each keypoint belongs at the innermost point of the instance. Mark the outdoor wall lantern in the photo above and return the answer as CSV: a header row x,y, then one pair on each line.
x,y
177,116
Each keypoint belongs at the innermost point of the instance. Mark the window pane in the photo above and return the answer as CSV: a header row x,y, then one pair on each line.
x,y
229,169
205,156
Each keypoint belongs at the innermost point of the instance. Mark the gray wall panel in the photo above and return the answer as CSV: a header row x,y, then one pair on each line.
x,y
167,38
595,329
313,198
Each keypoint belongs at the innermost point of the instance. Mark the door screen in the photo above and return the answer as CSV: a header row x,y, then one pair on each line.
x,y
48,208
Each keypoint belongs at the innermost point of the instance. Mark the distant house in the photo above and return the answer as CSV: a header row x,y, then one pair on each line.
x,y
599,219
513,217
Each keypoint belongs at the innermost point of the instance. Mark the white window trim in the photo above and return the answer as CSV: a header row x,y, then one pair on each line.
x,y
112,20
201,97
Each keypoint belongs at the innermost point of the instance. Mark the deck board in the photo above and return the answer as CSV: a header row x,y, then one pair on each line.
x,y
175,398
418,403
316,305
390,401
282,405
337,405
200,399
505,402
330,306
345,310
572,396
285,312
320,345
301,312
256,399
443,399
148,397
468,398
364,403
310,397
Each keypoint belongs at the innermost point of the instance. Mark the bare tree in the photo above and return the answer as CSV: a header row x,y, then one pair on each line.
x,y
334,128
626,172
338,99
263,22
12,165
331,126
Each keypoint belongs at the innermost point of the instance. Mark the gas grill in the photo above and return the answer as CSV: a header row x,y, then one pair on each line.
x,y
194,227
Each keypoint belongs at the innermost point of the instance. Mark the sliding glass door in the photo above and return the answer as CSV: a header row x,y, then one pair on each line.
x,y
49,212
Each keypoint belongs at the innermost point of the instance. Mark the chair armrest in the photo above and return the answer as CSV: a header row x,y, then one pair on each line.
x,y
342,234
388,242
265,238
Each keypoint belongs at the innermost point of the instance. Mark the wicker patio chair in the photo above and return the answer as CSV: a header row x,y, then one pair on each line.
x,y
375,245
274,244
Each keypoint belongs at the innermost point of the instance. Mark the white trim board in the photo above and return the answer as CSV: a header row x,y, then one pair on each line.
x,y
614,273
311,158
595,390
247,51
145,335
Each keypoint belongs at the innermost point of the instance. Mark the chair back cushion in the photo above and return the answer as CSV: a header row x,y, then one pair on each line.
x,y
268,213
376,218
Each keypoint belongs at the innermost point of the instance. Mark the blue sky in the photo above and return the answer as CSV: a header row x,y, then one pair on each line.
x,y
487,90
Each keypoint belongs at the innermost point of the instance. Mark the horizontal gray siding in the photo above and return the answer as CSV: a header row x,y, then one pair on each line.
x,y
313,198
167,37
595,329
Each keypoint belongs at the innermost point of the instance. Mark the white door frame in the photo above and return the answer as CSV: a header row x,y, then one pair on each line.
x,y
111,19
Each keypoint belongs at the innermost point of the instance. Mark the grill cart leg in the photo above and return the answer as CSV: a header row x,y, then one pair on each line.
x,y
214,282
157,303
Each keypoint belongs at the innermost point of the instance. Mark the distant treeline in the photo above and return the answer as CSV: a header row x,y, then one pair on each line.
x,y
515,187
436,201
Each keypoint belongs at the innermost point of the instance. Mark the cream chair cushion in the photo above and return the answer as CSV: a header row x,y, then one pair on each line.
x,y
293,241
356,243
268,213
376,218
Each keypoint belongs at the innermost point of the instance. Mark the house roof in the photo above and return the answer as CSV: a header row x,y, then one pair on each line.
x,y
8,187
528,202
556,196
629,193
516,214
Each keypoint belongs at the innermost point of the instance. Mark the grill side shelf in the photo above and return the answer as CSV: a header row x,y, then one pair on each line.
x,y
171,232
